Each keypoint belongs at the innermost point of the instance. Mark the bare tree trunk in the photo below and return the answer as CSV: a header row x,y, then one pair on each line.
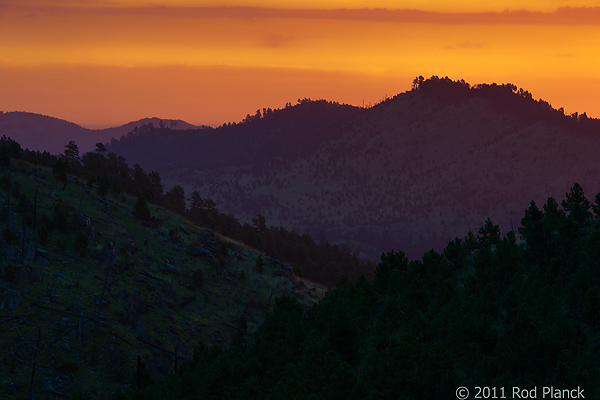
x,y
30,397
8,198
139,372
35,207
80,201
24,245
109,265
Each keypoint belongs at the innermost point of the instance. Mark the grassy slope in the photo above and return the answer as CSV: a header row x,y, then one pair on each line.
x,y
91,337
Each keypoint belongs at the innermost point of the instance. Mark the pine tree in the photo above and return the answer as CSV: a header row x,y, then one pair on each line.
x,y
8,149
490,233
533,231
60,170
175,200
577,205
72,154
141,208
596,206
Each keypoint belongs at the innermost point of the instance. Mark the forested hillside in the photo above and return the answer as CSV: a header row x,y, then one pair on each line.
x,y
488,311
92,282
96,270
413,171
288,133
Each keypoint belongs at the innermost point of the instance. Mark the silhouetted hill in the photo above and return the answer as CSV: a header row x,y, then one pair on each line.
x,y
44,133
119,131
291,132
40,132
410,173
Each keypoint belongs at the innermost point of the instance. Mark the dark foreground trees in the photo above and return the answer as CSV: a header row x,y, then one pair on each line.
x,y
61,171
490,310
8,149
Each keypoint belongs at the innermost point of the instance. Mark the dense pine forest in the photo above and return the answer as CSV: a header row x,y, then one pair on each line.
x,y
413,171
513,309
491,310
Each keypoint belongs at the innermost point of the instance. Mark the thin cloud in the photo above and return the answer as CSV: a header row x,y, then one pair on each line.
x,y
21,4
468,46
276,41
562,16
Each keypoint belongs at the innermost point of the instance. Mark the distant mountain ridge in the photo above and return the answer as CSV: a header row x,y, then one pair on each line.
x,y
295,131
44,133
410,173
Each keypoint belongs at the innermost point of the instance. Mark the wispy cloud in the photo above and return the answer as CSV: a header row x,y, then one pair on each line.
x,y
30,4
276,41
468,46
561,16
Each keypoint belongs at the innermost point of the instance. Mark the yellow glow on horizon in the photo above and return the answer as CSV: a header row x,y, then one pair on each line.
x,y
368,47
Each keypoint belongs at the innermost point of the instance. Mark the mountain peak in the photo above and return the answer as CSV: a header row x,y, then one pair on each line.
x,y
45,133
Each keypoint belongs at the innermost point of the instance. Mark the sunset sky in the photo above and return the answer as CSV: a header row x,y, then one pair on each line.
x,y
102,63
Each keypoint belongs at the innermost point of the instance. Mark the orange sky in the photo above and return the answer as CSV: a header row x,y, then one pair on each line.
x,y
103,63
